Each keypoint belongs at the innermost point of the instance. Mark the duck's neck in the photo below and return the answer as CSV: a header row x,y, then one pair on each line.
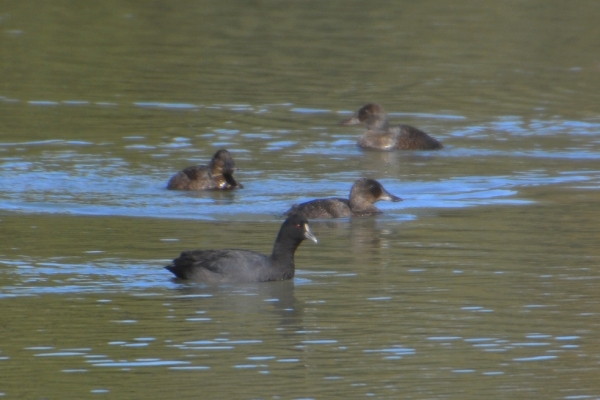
x,y
213,169
378,123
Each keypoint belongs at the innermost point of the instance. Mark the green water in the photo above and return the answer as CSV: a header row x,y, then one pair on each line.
x,y
482,283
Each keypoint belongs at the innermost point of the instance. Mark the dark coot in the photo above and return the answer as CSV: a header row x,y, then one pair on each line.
x,y
235,266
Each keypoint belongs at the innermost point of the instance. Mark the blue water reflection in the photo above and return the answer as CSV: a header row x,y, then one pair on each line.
x,y
82,178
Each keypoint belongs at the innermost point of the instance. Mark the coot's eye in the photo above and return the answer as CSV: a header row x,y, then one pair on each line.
x,y
297,225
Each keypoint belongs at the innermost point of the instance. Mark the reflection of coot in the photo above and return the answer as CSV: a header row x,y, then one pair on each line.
x,y
248,300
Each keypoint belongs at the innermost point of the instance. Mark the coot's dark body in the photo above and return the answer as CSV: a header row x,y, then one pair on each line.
x,y
234,266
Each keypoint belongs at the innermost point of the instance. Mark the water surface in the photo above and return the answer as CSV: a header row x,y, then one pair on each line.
x,y
482,283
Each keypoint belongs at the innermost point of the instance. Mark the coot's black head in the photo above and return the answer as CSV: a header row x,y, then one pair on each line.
x,y
371,115
296,227
371,191
222,163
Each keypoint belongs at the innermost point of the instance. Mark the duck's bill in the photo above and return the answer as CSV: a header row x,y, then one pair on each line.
x,y
390,197
350,121
309,235
231,183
